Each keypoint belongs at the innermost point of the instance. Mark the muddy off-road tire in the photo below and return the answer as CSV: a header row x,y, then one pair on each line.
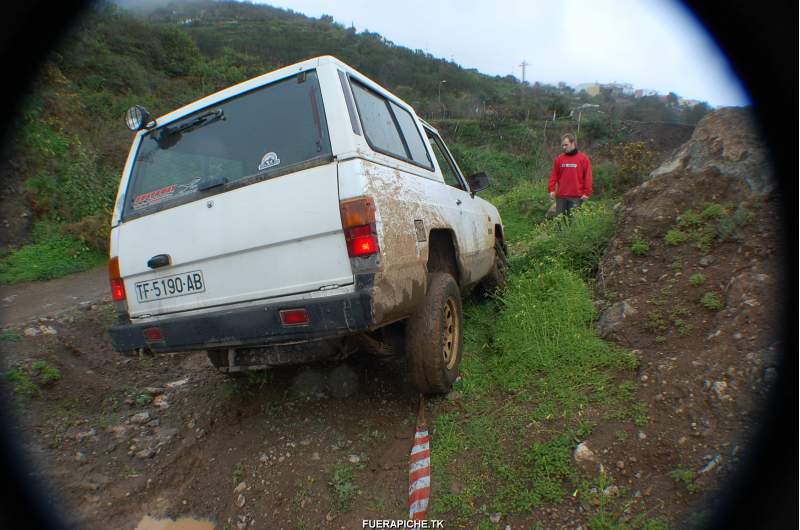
x,y
435,336
496,279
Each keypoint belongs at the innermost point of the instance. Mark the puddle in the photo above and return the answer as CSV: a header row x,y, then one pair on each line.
x,y
183,523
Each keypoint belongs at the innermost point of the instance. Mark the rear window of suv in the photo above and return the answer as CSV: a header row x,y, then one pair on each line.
x,y
257,135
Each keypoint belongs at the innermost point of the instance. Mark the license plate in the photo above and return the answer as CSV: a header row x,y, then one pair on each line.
x,y
170,286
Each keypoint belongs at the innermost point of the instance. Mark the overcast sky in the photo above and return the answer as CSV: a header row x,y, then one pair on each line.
x,y
655,44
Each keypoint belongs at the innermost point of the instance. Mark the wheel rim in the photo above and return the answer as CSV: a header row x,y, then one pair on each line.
x,y
451,334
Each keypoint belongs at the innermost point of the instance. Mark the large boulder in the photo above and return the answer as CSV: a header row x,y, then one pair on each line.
x,y
726,141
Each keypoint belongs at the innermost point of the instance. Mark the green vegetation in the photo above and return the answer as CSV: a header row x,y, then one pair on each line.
x,y
639,246
45,372
687,478
712,301
675,237
71,144
537,366
11,335
697,279
344,488
238,473
51,255
27,379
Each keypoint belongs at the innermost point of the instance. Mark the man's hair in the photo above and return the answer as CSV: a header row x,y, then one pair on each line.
x,y
568,136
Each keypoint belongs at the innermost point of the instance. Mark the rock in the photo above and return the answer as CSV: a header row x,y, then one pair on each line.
x,y
146,453
726,142
161,402
240,500
354,459
583,454
31,332
454,395
48,330
315,456
611,491
177,384
641,435
711,465
118,431
240,488
720,389
140,418
611,319
79,437
166,434
80,457
495,517
154,390
705,261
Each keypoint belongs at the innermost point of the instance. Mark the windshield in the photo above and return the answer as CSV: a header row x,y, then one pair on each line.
x,y
258,134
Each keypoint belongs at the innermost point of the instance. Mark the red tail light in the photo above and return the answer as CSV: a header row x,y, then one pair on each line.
x,y
117,285
153,335
358,222
294,317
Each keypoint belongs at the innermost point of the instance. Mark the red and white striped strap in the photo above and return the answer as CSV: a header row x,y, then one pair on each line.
x,y
419,475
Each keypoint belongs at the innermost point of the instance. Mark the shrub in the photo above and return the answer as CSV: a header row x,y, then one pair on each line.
x,y
639,246
712,210
711,300
697,279
675,237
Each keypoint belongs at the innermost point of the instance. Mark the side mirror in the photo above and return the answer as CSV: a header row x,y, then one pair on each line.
x,y
478,182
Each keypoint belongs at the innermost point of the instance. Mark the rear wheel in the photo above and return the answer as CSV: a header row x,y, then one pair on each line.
x,y
435,336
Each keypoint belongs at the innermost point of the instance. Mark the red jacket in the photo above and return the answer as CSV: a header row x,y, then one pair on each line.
x,y
573,174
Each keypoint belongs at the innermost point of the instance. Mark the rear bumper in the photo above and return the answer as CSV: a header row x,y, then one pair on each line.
x,y
260,325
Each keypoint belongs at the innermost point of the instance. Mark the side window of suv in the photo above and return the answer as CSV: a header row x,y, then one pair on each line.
x,y
389,128
445,164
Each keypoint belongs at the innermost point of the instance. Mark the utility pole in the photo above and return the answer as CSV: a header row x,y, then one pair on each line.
x,y
441,109
524,64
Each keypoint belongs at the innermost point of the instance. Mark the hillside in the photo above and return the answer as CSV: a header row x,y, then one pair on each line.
x,y
61,171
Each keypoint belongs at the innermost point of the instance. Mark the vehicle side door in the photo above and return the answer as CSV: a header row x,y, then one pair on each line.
x,y
472,227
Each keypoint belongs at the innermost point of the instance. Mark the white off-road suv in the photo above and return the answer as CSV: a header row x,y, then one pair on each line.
x,y
297,216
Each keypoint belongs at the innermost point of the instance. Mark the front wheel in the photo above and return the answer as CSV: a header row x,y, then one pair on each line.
x,y
496,279
435,336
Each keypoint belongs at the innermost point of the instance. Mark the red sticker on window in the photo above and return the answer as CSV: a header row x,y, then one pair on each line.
x,y
153,197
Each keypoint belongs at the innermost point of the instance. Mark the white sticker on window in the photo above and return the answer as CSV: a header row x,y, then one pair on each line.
x,y
269,160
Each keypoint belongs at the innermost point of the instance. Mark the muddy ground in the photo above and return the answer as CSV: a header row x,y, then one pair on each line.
x,y
322,446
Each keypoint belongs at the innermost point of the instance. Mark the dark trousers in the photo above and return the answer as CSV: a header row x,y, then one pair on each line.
x,y
565,204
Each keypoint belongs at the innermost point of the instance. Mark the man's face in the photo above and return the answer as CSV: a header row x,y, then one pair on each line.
x,y
567,145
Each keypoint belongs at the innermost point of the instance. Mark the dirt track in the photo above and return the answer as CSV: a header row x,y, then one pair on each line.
x,y
306,458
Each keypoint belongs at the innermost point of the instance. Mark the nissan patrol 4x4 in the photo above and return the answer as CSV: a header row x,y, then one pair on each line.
x,y
294,216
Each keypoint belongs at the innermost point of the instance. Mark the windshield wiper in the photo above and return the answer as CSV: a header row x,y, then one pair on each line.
x,y
169,136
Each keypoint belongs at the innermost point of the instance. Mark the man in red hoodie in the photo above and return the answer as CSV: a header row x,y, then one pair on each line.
x,y
571,178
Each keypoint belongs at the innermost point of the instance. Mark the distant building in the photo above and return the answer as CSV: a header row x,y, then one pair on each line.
x,y
593,89
643,92
688,102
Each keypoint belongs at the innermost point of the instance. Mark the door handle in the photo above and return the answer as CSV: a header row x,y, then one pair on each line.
x,y
161,260
458,202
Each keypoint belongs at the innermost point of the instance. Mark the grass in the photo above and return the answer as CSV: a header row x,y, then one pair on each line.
x,y
675,237
639,247
536,370
687,478
712,301
27,379
51,255
11,335
697,279
343,486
